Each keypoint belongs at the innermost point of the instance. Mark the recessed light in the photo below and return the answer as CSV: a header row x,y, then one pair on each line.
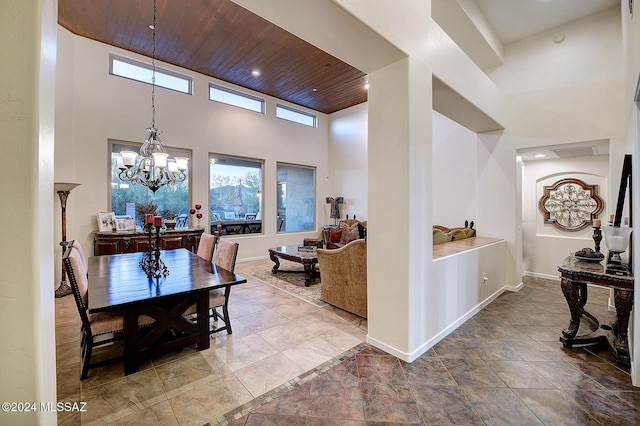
x,y
540,155
255,73
314,89
558,38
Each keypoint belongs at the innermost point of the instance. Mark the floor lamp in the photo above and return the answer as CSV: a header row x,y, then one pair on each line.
x,y
63,190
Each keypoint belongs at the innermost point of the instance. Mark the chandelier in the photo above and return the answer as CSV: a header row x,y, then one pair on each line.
x,y
155,169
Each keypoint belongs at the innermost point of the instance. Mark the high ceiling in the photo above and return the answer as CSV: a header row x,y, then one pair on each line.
x,y
514,20
223,40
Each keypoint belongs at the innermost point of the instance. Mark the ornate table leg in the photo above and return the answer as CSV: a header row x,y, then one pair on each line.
x,y
570,291
307,274
275,260
624,301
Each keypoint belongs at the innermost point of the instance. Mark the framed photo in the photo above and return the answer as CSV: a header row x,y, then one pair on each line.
x,y
106,221
125,224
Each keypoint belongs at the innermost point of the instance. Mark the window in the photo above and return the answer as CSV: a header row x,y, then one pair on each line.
x,y
139,71
235,194
296,198
295,115
126,196
239,99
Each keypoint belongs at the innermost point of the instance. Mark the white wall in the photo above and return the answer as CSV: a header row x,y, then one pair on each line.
x,y
631,30
454,173
95,106
556,94
544,245
348,169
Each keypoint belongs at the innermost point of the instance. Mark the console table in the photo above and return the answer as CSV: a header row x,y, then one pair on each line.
x,y
575,275
138,241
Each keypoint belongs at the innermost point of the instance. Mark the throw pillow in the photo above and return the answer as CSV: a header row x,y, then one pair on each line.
x,y
334,235
349,233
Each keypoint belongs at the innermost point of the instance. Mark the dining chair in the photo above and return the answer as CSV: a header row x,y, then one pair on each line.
x,y
224,256
93,325
205,246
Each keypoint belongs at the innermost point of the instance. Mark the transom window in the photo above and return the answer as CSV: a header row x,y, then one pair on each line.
x,y
139,71
296,115
235,98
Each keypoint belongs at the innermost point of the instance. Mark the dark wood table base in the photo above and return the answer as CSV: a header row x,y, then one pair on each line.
x,y
170,321
307,259
574,278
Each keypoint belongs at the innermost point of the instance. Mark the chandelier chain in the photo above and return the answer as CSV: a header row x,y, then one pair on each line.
x,y
153,69
155,169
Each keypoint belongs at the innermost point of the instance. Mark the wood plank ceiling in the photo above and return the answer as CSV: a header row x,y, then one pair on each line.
x,y
220,39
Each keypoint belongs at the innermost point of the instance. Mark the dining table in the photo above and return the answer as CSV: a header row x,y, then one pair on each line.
x,y
119,282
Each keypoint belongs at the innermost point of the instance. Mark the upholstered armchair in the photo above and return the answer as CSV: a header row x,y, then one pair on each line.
x,y
344,276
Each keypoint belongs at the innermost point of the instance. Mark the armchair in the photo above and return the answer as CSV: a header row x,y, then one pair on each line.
x,y
344,276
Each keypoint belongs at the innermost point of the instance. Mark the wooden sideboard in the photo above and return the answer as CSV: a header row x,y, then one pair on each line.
x,y
138,241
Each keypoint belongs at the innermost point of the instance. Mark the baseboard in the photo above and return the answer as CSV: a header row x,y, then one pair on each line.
x,y
249,259
545,276
514,288
412,356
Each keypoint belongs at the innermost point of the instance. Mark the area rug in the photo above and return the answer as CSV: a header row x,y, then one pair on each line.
x,y
291,282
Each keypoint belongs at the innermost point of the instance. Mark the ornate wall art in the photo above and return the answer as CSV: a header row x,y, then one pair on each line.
x,y
570,204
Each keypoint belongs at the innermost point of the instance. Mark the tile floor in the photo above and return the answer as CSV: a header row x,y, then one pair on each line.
x,y
276,338
292,363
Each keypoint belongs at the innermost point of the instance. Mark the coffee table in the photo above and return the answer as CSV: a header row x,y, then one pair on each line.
x,y
308,259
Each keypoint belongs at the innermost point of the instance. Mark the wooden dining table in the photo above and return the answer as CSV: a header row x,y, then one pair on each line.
x,y
119,282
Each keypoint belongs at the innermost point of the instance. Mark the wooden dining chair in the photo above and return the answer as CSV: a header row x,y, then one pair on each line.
x,y
93,325
224,256
205,246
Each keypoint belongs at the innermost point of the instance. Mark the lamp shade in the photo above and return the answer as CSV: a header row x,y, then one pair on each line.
x,y
160,159
616,238
129,158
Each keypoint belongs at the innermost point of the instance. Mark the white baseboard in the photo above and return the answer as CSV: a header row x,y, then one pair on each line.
x,y
249,259
545,276
410,357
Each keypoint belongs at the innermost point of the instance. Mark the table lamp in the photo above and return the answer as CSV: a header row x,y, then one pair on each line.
x,y
617,240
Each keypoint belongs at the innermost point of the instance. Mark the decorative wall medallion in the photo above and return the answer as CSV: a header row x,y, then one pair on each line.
x,y
570,204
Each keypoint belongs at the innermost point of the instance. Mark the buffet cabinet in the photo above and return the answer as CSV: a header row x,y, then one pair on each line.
x,y
138,241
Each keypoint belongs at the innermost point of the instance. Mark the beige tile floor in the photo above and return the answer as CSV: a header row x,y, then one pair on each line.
x,y
276,338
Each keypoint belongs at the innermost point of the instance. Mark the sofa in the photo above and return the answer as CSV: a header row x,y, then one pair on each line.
x,y
442,234
344,276
347,230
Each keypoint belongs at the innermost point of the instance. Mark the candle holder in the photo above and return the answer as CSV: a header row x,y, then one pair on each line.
x,y
151,263
597,237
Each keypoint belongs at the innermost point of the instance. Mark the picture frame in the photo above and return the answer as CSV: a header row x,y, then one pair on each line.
x,y
125,224
106,221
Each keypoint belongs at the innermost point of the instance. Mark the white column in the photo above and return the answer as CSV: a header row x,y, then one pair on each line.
x,y
399,206
27,355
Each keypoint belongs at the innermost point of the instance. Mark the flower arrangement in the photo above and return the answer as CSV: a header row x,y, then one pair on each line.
x,y
170,217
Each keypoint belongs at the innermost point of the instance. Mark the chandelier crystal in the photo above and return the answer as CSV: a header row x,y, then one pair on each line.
x,y
155,169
